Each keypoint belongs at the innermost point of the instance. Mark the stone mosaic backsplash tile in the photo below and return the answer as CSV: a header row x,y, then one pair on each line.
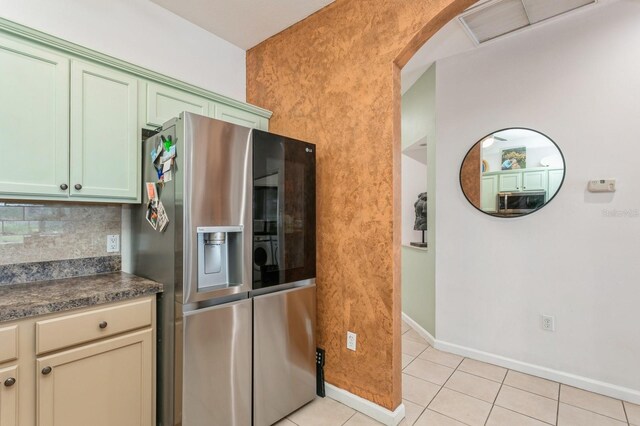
x,y
56,231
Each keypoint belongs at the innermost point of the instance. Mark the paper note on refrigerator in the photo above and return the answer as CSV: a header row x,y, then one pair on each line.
x,y
152,215
167,166
152,191
163,219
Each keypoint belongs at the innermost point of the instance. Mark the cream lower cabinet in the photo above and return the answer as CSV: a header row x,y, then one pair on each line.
x,y
9,380
9,385
87,367
101,384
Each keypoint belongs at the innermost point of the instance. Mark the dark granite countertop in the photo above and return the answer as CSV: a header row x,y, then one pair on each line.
x,y
19,301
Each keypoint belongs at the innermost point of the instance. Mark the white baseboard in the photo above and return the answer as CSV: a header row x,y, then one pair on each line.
x,y
375,411
608,389
418,328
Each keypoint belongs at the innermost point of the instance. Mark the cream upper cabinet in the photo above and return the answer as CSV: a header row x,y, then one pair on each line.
x,y
510,182
536,180
236,116
165,103
71,118
9,385
555,180
34,119
105,147
101,384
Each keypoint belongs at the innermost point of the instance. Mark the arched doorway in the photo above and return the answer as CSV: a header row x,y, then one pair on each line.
x,y
334,79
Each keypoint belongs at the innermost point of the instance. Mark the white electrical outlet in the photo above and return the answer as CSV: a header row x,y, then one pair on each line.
x,y
351,341
113,243
548,323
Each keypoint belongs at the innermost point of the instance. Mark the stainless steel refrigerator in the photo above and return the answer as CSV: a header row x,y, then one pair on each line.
x,y
236,334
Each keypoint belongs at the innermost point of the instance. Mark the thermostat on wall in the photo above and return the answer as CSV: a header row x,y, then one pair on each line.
x,y
602,185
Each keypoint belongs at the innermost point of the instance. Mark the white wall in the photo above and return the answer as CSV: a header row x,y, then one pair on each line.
x,y
140,32
578,81
535,154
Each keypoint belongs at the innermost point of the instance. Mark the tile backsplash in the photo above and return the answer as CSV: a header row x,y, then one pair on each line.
x,y
56,231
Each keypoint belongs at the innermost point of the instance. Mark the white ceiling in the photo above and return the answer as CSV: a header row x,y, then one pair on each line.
x,y
453,39
244,23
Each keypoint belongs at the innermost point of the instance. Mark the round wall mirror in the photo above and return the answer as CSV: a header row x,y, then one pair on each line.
x,y
512,172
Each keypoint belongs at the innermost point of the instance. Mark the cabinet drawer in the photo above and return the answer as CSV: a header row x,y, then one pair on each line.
x,y
83,327
8,343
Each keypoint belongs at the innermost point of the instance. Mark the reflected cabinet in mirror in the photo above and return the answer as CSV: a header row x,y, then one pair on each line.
x,y
512,172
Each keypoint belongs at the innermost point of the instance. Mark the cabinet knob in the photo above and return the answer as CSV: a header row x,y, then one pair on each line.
x,y
103,324
64,186
10,382
46,370
77,186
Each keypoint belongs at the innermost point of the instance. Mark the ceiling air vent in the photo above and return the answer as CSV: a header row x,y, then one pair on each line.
x,y
496,18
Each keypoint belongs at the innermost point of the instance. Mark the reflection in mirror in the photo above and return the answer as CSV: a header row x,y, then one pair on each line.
x,y
512,172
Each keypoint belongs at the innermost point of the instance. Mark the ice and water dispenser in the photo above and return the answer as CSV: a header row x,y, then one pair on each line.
x,y
219,257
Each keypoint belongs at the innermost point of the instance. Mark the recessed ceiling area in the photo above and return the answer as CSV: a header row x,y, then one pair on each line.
x,y
492,20
244,23
496,18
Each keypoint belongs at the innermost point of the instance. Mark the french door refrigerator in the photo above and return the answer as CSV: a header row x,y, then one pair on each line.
x,y
236,333
284,270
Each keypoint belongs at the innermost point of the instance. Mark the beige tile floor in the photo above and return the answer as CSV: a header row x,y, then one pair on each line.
x,y
443,389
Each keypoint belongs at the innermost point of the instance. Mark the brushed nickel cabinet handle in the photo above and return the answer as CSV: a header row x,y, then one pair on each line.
x,y
77,186
64,186
10,382
46,370
103,324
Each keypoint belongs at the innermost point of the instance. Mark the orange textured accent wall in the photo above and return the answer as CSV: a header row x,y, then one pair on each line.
x,y
470,175
333,79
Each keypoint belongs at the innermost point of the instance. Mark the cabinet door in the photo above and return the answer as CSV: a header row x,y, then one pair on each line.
x,y
555,180
165,103
510,181
489,194
34,119
102,384
239,117
9,396
534,180
105,147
